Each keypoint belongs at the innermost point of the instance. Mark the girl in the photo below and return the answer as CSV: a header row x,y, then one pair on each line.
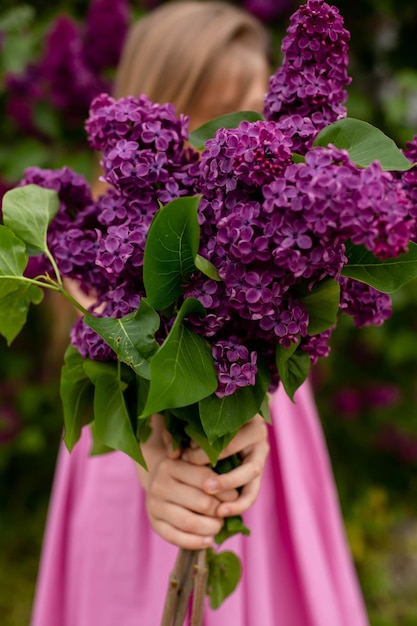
x,y
110,545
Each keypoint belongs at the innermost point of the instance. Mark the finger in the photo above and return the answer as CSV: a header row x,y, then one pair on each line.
x,y
236,478
175,483
246,499
185,520
253,432
179,538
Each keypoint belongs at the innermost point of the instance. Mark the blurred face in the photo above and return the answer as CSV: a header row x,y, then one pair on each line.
x,y
228,90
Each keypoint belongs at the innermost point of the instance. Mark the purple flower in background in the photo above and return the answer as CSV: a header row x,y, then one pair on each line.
x,y
106,26
382,395
267,9
348,402
73,67
72,84
23,92
311,81
398,442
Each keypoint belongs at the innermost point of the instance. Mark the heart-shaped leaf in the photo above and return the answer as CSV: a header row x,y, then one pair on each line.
x,y
224,571
182,370
14,306
293,367
77,394
221,416
388,275
27,211
13,257
322,304
131,337
111,417
171,247
365,144
199,136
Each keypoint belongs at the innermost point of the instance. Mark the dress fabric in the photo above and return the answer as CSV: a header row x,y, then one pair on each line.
x,y
102,565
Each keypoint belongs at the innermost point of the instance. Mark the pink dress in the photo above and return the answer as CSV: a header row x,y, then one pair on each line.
x,y
102,565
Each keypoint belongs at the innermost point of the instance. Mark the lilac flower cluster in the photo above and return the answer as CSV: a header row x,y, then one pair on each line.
x,y
366,305
101,243
308,90
143,147
271,226
409,178
235,366
74,65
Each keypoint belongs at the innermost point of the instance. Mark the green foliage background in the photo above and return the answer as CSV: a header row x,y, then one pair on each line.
x,y
372,441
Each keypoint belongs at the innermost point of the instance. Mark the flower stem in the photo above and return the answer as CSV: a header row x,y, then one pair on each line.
x,y
182,567
200,585
185,592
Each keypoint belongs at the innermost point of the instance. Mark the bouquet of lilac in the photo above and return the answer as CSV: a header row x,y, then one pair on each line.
x,y
219,259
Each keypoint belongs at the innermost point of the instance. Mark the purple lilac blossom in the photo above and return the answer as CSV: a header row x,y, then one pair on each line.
x,y
364,303
397,441
236,366
267,9
307,92
106,26
72,84
23,92
409,181
73,68
270,226
275,225
101,243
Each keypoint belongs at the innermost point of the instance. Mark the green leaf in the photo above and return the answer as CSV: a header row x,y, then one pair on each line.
x,y
206,267
386,276
171,247
98,447
27,211
77,394
322,304
199,136
221,416
293,367
16,293
232,526
13,257
14,306
264,410
182,370
112,421
131,337
224,571
365,144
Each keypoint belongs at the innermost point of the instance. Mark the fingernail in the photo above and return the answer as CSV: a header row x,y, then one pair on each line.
x,y
207,541
193,445
211,485
185,456
225,511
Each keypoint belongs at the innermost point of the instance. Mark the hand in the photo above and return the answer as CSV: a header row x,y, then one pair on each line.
x,y
178,508
251,443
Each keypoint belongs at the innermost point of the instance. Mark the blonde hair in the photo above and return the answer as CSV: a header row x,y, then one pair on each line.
x,y
171,54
